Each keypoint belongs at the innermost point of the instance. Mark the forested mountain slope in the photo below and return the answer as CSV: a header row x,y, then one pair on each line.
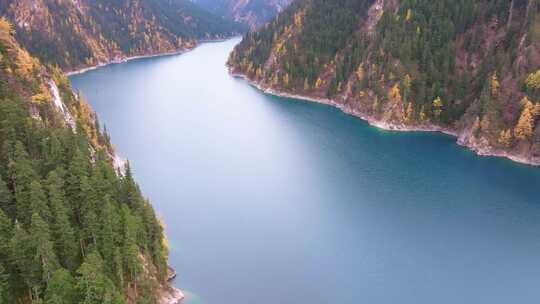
x,y
72,229
252,13
81,33
467,67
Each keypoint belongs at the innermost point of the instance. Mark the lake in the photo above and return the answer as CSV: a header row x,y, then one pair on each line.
x,y
271,200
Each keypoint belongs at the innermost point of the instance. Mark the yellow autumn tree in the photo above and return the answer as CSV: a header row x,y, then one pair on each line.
x,y
525,125
409,113
533,80
395,93
437,107
409,15
398,108
494,84
286,80
422,114
5,30
360,72
318,83
298,19
25,63
505,138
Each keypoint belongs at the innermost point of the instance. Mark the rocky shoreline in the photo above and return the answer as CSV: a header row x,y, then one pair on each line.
x,y
171,294
463,139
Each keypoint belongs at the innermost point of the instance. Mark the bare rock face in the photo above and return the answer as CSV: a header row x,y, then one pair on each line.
x,y
171,296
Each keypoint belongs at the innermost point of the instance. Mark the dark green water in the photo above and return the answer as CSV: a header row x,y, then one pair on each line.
x,y
274,201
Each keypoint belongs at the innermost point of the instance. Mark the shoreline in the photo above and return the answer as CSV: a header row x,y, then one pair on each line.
x,y
171,294
484,151
125,59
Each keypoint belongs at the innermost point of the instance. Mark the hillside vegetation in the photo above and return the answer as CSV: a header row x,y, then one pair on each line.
x,y
252,13
467,67
82,33
73,228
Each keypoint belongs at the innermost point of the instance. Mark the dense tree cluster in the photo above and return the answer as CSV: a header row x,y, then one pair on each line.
x,y
252,13
72,228
448,62
72,34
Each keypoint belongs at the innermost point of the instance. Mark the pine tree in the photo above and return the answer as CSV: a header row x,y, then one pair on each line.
x,y
93,285
77,171
107,238
6,233
45,255
61,288
23,254
130,191
60,198
62,230
6,200
88,212
22,175
130,249
5,292
39,201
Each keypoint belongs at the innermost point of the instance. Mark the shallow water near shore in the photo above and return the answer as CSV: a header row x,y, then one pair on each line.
x,y
272,200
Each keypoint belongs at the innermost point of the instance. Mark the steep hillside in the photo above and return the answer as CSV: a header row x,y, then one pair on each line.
x,y
470,68
252,13
80,33
74,226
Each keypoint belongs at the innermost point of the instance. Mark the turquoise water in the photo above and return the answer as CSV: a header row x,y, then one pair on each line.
x,y
272,200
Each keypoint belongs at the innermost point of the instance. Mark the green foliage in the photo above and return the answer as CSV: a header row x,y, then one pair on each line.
x,y
449,51
61,288
72,230
71,39
93,285
4,286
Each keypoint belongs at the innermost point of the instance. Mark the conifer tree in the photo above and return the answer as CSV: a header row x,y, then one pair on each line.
x,y
6,200
61,288
41,240
5,293
93,285
62,230
22,176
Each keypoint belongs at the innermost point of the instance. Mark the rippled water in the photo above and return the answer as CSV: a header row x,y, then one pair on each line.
x,y
272,200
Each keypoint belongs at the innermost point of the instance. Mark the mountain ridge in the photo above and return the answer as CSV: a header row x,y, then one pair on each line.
x,y
469,68
82,33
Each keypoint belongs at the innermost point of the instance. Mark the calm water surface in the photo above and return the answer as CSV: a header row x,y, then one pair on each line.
x,y
270,200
